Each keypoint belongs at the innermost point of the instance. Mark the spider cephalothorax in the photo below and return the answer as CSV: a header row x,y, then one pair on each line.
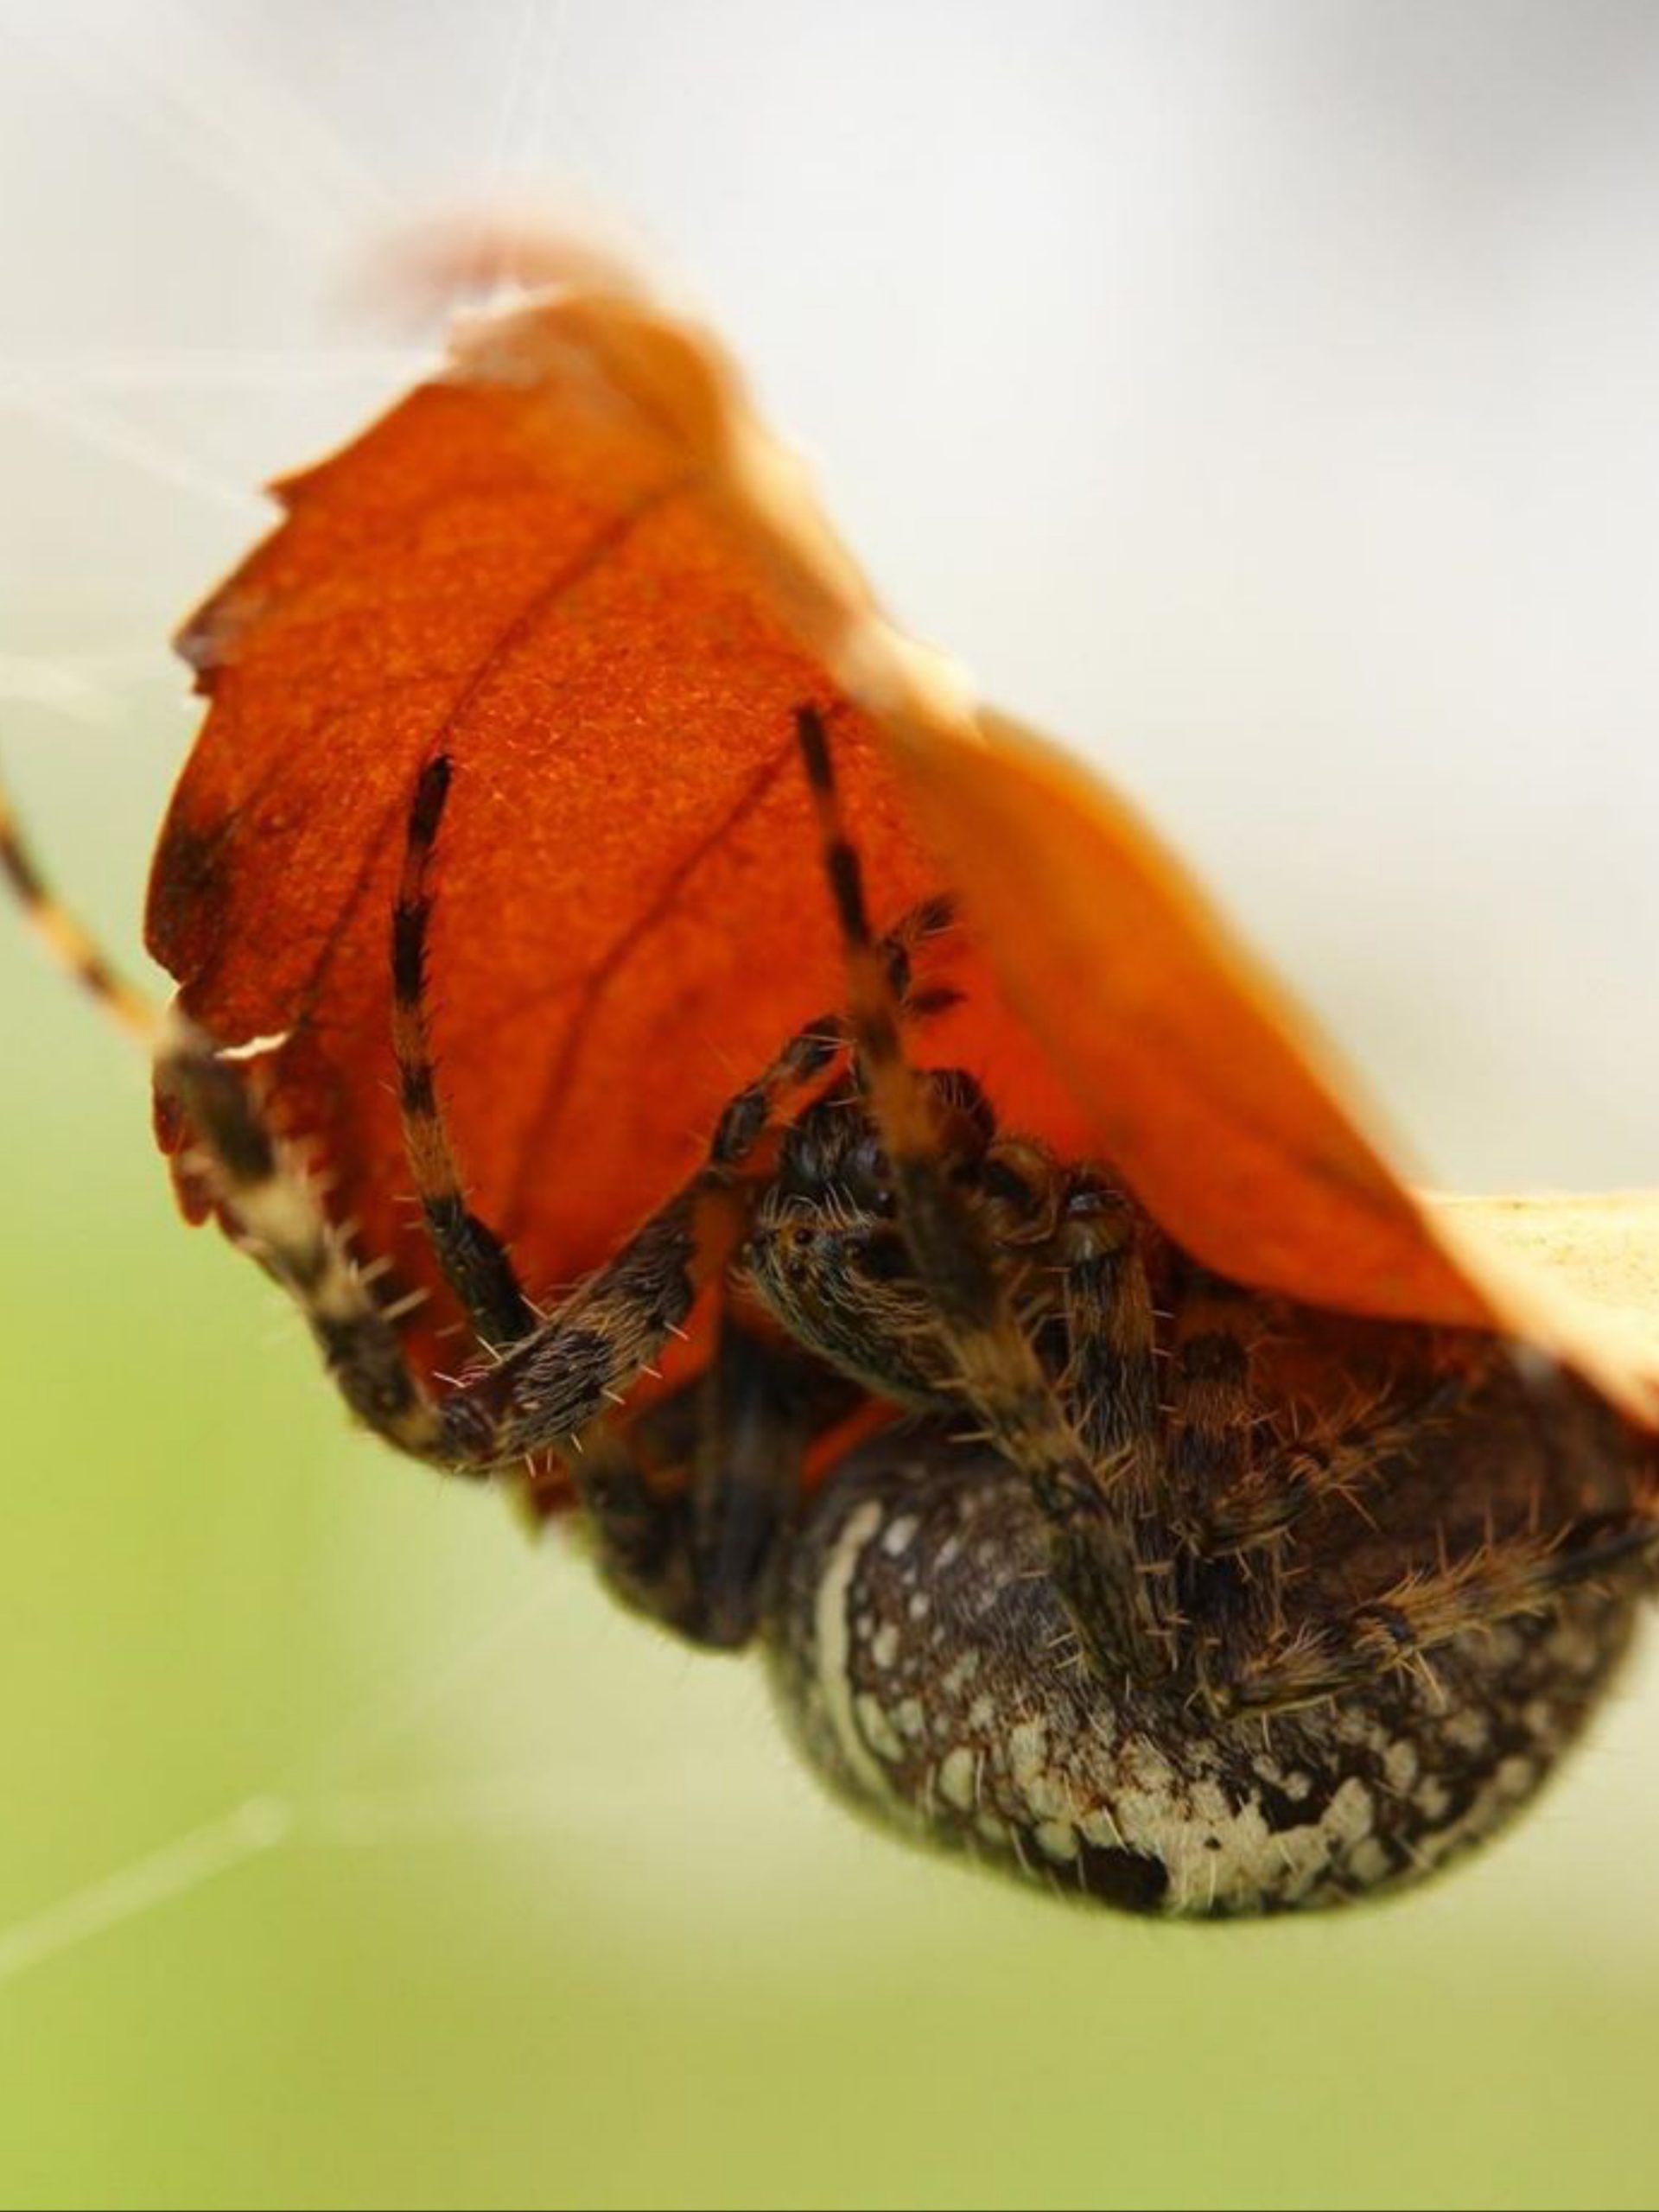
x,y
826,1252
1184,1596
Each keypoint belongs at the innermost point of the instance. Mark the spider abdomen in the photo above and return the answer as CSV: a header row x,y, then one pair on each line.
x,y
929,1668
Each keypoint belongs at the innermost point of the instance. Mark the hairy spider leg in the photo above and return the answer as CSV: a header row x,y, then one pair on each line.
x,y
819,1045
1222,1608
687,1501
261,1182
575,1365
1264,1496
472,1258
1404,1625
1257,1654
259,1178
1002,1376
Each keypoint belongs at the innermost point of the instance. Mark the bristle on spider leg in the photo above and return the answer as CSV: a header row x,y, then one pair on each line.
x,y
1002,1380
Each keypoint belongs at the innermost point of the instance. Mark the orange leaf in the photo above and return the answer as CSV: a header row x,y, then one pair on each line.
x,y
580,567
1202,1085
529,565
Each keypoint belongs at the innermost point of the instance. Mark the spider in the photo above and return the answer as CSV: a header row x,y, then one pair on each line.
x,y
1158,1591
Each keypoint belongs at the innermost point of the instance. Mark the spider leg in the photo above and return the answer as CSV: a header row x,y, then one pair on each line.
x,y
574,1364
1270,1495
1001,1376
257,1177
687,1501
1109,1391
1405,1624
1212,1416
67,941
752,1445
262,1183
472,1257
819,1044
1109,1385
1210,1459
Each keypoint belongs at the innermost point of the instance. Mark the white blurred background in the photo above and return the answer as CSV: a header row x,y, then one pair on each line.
x,y
1260,396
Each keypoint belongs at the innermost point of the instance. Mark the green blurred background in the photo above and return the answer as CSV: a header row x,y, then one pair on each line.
x,y
1265,394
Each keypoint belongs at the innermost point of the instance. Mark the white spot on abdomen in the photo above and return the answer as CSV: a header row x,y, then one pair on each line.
x,y
832,1637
